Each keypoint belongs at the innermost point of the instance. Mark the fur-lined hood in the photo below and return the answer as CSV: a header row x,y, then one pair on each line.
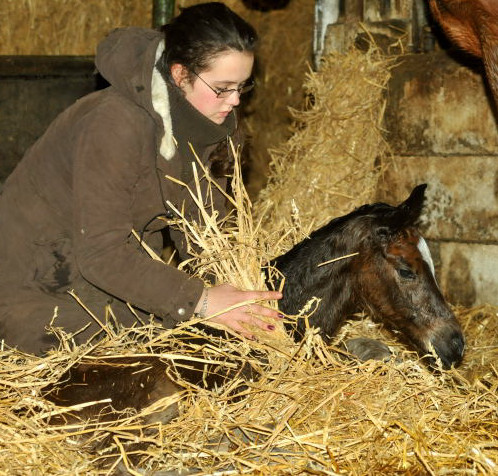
x,y
126,58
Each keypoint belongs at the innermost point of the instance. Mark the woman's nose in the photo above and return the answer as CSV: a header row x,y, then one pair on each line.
x,y
234,98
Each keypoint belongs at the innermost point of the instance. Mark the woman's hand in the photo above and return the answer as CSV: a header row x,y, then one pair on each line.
x,y
225,296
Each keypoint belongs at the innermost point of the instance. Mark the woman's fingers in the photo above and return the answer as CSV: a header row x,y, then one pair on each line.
x,y
240,317
242,326
264,295
257,310
254,314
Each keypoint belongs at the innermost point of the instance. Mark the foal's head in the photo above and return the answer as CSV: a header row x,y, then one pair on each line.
x,y
395,279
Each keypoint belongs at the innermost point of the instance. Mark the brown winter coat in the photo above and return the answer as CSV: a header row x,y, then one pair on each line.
x,y
67,211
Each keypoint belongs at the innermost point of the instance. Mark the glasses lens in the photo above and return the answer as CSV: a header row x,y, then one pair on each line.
x,y
224,93
246,87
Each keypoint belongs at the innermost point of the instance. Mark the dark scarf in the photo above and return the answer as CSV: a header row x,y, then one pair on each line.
x,y
191,126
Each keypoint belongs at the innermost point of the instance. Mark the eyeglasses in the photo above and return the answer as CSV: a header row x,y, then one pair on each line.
x,y
225,92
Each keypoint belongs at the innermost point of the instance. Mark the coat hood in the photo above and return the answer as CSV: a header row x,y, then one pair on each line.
x,y
126,58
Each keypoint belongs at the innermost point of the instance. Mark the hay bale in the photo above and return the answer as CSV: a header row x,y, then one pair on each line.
x,y
332,162
61,27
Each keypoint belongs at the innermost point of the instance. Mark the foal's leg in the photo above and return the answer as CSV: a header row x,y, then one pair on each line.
x,y
365,348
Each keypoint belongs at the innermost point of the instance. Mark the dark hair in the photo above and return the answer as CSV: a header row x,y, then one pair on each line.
x,y
202,32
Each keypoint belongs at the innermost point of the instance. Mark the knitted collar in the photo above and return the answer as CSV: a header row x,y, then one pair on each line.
x,y
191,127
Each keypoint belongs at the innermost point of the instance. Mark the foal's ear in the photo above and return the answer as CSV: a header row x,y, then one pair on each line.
x,y
393,219
383,234
412,207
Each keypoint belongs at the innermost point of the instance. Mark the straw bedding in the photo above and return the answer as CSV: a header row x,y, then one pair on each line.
x,y
333,160
309,408
317,413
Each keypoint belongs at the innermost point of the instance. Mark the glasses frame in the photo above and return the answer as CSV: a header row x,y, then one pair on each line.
x,y
223,93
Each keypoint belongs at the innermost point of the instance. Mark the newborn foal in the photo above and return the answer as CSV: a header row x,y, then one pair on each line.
x,y
391,274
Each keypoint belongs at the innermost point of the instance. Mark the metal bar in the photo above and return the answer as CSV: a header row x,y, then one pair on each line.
x,y
162,12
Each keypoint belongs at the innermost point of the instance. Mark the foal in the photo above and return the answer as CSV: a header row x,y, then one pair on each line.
x,y
392,276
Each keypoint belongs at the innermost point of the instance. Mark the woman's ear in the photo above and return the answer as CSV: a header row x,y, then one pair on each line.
x,y
179,74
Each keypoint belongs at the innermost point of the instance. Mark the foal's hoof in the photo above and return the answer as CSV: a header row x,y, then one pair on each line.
x,y
368,349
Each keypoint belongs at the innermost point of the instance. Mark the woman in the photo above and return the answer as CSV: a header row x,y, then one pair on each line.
x,y
67,211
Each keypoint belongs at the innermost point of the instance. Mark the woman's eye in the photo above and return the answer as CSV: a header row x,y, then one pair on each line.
x,y
406,273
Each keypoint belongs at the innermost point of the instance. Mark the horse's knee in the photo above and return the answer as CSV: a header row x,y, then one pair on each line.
x,y
163,388
365,348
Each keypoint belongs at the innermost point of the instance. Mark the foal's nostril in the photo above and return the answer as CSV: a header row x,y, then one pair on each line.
x,y
459,344
456,341
449,347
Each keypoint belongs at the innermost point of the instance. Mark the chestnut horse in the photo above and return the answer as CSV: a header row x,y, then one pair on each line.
x,y
473,26
391,275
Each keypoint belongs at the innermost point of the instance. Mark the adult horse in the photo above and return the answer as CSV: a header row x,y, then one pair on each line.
x,y
473,26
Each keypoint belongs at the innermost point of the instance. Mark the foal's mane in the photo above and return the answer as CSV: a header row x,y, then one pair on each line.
x,y
340,237
365,230
343,235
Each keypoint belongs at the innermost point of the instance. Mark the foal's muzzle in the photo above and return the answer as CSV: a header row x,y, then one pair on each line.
x,y
449,344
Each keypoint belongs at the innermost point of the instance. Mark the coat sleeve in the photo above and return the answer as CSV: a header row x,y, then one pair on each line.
x,y
108,154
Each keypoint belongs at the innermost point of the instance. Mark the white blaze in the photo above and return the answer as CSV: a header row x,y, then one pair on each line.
x,y
426,254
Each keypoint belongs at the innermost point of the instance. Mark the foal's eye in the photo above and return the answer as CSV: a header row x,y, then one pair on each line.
x,y
406,273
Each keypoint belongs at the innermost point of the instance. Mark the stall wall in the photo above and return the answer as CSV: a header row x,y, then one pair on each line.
x,y
33,91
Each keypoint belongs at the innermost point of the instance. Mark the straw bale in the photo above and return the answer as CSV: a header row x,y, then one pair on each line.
x,y
65,27
332,162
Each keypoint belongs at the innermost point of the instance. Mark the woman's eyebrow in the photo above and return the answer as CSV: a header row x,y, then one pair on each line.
x,y
229,83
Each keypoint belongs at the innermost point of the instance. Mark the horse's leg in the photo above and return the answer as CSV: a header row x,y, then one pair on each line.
x,y
127,382
490,58
365,348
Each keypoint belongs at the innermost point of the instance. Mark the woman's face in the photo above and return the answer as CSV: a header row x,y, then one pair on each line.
x,y
229,70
